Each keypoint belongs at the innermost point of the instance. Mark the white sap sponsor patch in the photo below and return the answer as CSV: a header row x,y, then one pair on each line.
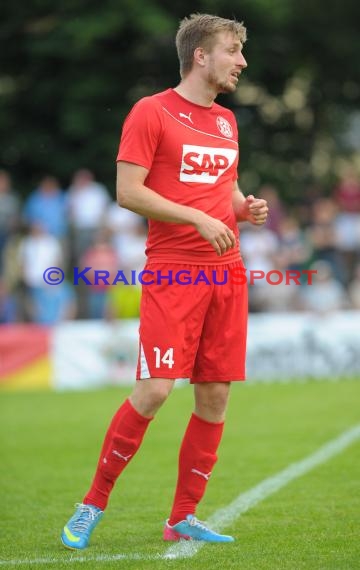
x,y
205,164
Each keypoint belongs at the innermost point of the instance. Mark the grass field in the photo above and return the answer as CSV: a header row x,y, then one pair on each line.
x,y
50,443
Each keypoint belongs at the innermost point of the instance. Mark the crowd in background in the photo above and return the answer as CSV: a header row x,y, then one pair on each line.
x,y
83,226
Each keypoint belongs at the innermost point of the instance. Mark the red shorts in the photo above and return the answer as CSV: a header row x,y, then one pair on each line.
x,y
193,330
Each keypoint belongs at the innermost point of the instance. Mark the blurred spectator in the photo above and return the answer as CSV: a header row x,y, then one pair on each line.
x,y
322,235
347,192
133,246
326,293
87,204
347,197
276,207
38,251
9,211
125,227
101,256
280,294
12,273
293,243
51,304
302,209
8,313
47,206
123,301
258,245
354,289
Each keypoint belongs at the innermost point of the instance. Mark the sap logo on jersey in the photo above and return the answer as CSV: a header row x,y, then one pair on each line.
x,y
205,163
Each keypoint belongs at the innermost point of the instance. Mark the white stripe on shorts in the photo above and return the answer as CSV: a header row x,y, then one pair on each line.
x,y
144,369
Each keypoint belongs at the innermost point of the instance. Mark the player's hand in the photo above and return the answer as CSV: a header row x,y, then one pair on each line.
x,y
255,210
218,234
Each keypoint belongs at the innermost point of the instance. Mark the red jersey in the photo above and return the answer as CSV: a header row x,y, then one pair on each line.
x,y
191,153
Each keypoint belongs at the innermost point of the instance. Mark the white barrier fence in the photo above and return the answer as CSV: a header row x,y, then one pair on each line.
x,y
293,345
281,347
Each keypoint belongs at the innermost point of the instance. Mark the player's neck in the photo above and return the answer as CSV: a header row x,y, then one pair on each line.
x,y
196,92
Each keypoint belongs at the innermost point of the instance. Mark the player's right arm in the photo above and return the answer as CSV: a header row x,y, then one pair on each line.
x,y
133,195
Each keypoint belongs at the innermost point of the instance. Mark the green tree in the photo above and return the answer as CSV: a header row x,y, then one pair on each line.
x,y
69,73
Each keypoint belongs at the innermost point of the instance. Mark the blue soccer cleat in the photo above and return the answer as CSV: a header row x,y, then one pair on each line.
x,y
193,529
76,533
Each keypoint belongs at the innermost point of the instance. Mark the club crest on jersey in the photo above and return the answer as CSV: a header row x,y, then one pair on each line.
x,y
205,164
224,127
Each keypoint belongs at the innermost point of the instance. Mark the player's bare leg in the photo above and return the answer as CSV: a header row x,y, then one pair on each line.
x,y
149,395
196,461
211,399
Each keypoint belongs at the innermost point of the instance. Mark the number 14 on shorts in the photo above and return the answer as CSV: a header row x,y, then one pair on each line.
x,y
167,358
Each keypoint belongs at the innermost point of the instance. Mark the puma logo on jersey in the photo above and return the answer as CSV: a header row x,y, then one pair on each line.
x,y
205,164
205,475
188,117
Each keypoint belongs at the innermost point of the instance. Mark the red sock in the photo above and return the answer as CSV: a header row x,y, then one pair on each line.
x,y
196,461
122,441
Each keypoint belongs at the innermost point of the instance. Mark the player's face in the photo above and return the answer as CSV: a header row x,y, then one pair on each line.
x,y
225,63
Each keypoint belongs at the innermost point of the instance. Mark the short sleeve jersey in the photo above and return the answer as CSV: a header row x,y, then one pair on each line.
x,y
191,154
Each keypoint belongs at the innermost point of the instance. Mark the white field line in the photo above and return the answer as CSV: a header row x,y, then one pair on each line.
x,y
74,558
223,517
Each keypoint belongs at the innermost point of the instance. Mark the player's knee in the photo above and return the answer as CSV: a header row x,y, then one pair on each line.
x,y
147,399
211,400
157,397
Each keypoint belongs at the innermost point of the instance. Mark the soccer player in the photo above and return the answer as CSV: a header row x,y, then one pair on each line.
x,y
177,166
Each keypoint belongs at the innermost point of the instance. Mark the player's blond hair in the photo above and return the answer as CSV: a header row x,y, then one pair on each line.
x,y
200,30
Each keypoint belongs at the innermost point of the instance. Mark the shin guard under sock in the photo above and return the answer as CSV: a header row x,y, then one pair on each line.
x,y
122,441
196,461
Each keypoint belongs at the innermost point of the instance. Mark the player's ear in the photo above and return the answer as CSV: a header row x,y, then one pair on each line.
x,y
199,56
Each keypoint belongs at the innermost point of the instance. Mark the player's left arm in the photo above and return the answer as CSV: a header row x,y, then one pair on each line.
x,y
249,208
